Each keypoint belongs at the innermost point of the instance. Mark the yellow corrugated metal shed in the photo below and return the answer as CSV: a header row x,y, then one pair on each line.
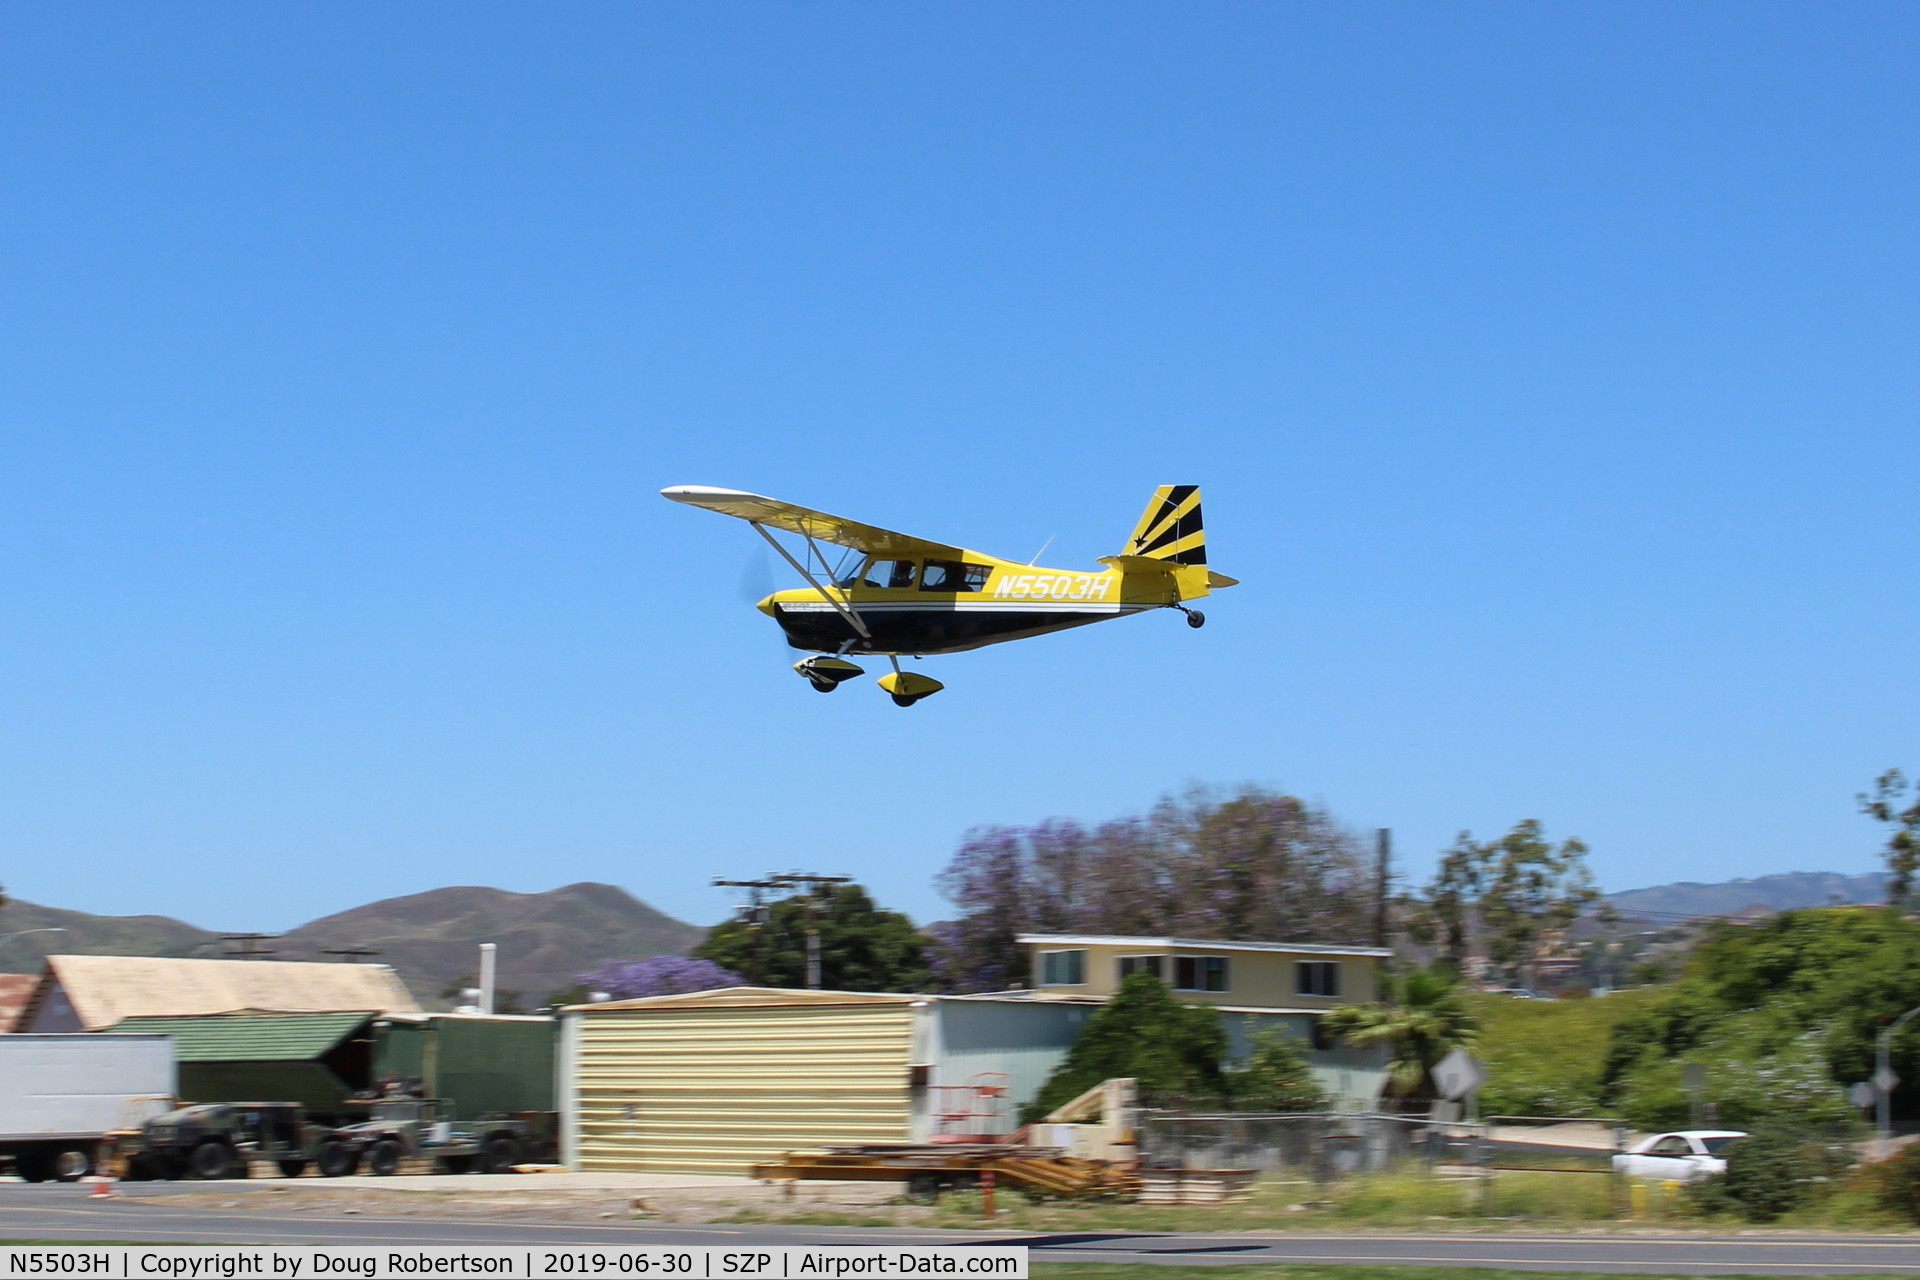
x,y
716,1081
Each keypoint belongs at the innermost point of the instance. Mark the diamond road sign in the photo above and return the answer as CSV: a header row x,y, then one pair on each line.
x,y
1884,1079
1458,1075
1862,1094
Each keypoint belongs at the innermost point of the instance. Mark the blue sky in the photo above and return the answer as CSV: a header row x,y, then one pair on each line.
x,y
1549,369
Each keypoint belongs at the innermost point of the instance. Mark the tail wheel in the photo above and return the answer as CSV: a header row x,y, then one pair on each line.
x,y
1195,618
384,1159
337,1159
213,1161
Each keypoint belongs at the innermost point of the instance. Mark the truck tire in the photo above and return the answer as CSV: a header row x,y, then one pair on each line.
x,y
337,1159
384,1160
456,1164
33,1166
292,1168
213,1161
70,1164
499,1155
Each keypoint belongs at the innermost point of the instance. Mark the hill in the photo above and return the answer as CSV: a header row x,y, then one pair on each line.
x,y
95,935
431,938
1732,897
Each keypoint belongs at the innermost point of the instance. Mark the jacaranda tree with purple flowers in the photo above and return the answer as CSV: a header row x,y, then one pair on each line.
x,y
657,976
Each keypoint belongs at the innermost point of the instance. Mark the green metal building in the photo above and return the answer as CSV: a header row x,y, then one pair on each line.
x,y
478,1063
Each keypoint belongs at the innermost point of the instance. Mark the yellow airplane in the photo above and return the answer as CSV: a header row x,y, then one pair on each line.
x,y
889,594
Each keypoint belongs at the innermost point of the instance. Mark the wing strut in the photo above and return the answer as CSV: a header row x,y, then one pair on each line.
x,y
840,606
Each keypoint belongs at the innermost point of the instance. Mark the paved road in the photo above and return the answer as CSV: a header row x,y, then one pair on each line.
x,y
62,1212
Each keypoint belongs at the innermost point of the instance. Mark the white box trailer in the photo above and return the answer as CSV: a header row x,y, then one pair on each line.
x,y
61,1095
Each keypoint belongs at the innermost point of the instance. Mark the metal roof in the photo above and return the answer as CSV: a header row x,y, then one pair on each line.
x,y
106,989
250,1037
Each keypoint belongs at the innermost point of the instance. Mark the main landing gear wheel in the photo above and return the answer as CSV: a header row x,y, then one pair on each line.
x,y
826,674
908,687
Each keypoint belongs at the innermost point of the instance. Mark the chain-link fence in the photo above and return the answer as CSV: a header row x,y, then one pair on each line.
x,y
1328,1145
1323,1145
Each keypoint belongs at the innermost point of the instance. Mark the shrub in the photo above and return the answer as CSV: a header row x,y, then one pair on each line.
x,y
1893,1184
1770,1174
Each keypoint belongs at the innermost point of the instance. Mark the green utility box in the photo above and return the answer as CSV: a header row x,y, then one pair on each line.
x,y
479,1064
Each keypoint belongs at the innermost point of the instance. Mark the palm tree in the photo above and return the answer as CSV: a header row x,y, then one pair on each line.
x,y
1422,1019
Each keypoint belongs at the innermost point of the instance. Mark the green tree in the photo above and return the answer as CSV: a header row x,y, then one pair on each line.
x,y
1423,1018
1143,1033
1445,916
862,947
1903,842
1277,1074
1532,889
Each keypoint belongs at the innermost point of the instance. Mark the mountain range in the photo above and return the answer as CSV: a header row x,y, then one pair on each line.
x,y
1736,897
431,938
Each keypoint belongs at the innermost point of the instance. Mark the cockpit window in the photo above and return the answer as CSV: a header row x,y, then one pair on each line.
x,y
887,575
953,575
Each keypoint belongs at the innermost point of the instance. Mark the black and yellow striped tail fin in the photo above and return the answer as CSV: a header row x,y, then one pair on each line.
x,y
1170,528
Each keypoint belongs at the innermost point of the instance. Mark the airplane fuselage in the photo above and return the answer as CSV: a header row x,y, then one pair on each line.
x,y
948,604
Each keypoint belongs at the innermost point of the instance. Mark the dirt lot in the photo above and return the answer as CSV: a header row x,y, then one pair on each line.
x,y
525,1200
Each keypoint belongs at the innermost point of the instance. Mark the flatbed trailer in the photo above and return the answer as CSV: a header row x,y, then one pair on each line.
x,y
930,1168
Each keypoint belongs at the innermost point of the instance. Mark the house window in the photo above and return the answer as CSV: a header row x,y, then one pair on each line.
x,y
1155,965
1063,968
1200,973
1317,977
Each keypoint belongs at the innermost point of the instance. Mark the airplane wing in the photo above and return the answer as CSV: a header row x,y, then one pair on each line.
x,y
805,521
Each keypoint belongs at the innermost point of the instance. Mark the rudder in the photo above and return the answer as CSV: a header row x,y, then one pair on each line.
x,y
1170,527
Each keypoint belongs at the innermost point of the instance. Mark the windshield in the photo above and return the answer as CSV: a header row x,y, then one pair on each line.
x,y
1715,1146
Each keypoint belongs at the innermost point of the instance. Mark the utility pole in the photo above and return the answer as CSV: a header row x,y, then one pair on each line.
x,y
755,914
1383,858
812,881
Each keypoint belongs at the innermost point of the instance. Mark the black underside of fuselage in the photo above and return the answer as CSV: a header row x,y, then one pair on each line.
x,y
925,631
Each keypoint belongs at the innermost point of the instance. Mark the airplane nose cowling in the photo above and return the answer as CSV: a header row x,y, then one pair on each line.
x,y
767,607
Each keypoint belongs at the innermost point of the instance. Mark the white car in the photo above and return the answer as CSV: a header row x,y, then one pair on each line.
x,y
1680,1156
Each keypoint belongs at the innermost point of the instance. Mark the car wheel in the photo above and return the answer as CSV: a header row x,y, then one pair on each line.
x,y
337,1159
384,1159
213,1161
499,1155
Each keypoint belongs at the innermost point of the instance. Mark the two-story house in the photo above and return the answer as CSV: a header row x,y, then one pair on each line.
x,y
1255,985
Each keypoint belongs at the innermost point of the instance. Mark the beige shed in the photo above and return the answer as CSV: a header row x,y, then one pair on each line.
x,y
716,1081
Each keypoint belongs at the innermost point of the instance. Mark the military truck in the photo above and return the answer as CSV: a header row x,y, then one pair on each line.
x,y
217,1139
397,1128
